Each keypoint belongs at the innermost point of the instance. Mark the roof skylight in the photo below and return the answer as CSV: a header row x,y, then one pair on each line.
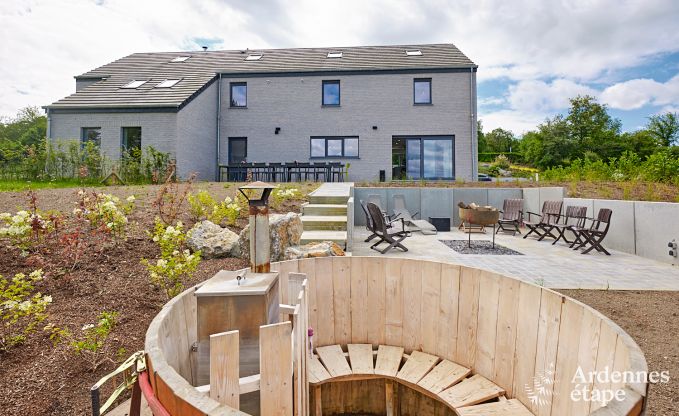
x,y
334,54
168,83
414,52
180,59
134,84
254,57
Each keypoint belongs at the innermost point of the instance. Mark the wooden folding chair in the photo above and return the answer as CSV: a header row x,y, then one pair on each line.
x,y
574,218
595,234
382,231
511,216
551,211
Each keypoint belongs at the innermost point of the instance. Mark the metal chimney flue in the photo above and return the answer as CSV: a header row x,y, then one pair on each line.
x,y
257,194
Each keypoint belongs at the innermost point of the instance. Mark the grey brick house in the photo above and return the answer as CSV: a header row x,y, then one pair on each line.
x,y
409,111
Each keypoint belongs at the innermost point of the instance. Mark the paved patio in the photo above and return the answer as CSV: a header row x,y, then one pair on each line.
x,y
556,267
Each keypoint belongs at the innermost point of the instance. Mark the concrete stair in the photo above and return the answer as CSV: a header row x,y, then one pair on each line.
x,y
325,216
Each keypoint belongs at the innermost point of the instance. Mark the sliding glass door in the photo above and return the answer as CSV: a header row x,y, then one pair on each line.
x,y
427,157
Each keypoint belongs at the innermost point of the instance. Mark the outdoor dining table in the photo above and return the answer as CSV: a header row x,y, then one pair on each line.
x,y
283,172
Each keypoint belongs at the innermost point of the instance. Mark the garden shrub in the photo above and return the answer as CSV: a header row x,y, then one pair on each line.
x,y
502,162
278,196
105,211
27,228
175,261
203,206
21,308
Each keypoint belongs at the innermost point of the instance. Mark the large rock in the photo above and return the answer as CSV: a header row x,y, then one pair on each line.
x,y
285,231
322,249
212,240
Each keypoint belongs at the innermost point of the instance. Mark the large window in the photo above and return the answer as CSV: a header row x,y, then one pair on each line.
x,y
239,94
331,93
428,157
91,135
131,140
422,90
330,147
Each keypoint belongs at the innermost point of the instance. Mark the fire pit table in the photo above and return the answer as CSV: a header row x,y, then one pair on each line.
x,y
483,216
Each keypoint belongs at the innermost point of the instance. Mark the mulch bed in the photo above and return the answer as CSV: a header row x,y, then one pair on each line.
x,y
651,318
38,379
479,247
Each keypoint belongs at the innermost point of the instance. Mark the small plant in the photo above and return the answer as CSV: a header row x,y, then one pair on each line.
x,y
502,162
27,228
21,310
171,197
204,207
93,341
175,260
105,212
281,195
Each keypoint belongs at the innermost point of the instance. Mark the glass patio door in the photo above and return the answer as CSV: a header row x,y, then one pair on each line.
x,y
430,157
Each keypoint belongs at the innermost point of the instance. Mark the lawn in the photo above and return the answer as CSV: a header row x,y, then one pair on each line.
x,y
19,185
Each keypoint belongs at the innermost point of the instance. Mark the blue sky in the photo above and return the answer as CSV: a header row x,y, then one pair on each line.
x,y
532,54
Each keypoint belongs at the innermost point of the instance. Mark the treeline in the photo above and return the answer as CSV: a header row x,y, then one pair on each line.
x,y
587,142
26,155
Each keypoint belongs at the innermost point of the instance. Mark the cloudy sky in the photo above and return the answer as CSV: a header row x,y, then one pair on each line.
x,y
532,55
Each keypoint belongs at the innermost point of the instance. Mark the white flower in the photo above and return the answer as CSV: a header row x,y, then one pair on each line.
x,y
155,238
175,253
161,263
88,326
47,299
130,198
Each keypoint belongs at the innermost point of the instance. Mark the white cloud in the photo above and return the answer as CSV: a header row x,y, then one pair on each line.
x,y
636,93
540,96
46,42
518,122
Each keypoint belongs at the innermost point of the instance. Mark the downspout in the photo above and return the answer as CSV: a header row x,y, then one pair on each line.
x,y
219,119
474,155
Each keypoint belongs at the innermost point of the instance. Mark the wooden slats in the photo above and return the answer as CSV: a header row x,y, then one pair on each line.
x,y
417,366
474,390
317,373
444,375
334,360
225,368
511,407
388,360
275,358
361,358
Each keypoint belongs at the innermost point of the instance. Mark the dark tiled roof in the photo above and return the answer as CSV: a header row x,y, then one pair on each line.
x,y
196,72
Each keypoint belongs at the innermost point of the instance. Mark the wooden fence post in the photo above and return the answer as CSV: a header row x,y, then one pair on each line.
x,y
275,361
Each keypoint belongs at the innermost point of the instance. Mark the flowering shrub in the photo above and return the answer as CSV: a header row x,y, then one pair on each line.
x,y
204,207
92,343
175,260
279,196
27,228
105,211
21,310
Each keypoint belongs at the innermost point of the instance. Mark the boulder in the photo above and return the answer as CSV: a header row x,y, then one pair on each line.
x,y
285,231
212,240
321,249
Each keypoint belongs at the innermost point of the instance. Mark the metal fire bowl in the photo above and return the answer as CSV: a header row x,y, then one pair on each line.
x,y
479,216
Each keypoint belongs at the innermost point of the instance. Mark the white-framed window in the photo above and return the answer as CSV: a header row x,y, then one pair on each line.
x,y
334,147
168,83
134,84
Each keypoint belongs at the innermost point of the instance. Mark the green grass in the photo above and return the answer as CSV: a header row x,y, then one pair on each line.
x,y
17,186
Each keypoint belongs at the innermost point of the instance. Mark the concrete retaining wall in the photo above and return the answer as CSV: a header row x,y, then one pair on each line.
x,y
637,227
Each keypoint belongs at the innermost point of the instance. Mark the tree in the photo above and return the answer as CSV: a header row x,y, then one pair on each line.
x,y
29,127
500,140
592,129
665,128
481,138
641,142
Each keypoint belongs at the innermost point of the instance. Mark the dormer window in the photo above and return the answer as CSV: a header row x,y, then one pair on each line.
x,y
334,54
134,84
168,83
180,59
254,57
414,52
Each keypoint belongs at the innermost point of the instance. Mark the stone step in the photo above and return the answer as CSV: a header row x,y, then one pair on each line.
x,y
328,199
324,209
324,222
339,237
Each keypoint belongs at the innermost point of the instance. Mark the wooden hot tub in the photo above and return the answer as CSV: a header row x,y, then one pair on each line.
x,y
520,337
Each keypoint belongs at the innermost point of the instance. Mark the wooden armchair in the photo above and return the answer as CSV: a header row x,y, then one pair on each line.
x,y
551,212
